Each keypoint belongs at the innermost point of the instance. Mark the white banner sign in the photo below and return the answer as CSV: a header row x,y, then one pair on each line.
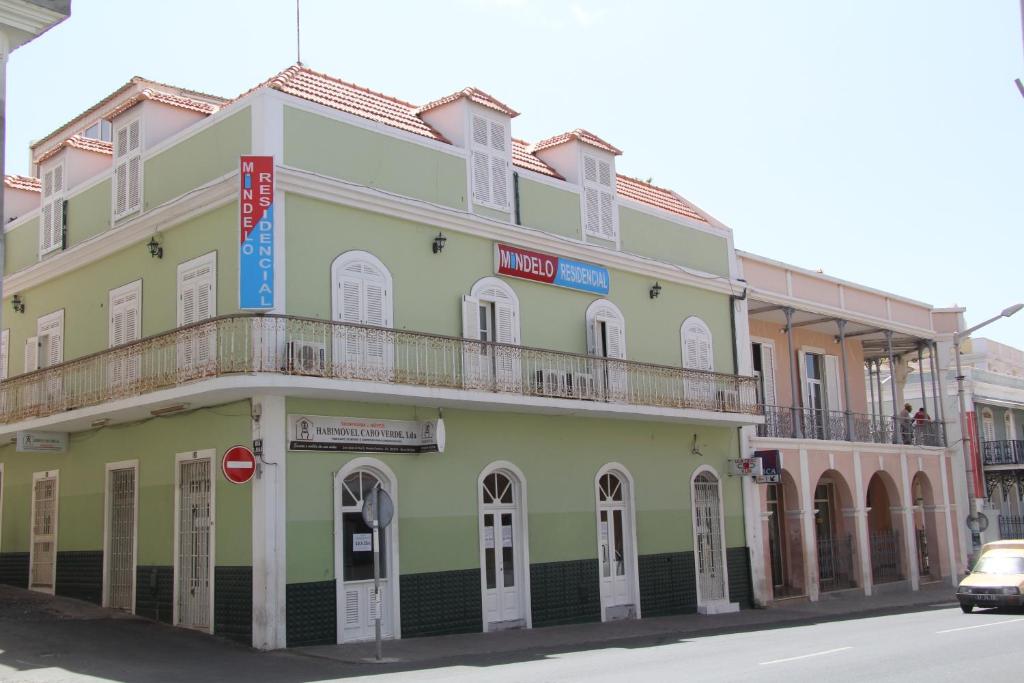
x,y
364,435
42,442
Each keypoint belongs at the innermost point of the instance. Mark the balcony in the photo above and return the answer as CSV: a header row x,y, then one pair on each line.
x,y
1003,452
310,352
834,425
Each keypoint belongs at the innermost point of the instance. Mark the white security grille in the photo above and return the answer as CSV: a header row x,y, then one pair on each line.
x,y
710,575
194,544
44,531
121,545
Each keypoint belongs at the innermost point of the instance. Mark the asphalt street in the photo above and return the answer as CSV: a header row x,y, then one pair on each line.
x,y
933,643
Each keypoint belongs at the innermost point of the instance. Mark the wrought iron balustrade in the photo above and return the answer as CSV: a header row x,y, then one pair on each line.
x,y
1009,452
288,345
836,425
885,556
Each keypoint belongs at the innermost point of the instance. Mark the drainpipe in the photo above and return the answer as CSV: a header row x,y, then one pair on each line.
x,y
897,425
515,196
797,420
940,400
732,312
841,324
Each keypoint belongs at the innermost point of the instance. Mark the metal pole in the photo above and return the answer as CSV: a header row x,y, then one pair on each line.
x,y
871,388
878,378
797,423
920,375
892,385
376,568
940,400
846,380
965,434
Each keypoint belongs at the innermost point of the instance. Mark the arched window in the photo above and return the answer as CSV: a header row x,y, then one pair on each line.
x,y
503,555
698,353
606,330
1011,428
490,313
988,425
361,295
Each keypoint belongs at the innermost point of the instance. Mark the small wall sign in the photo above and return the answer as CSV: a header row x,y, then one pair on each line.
x,y
365,435
42,442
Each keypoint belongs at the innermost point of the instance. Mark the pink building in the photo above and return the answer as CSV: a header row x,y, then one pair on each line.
x,y
863,497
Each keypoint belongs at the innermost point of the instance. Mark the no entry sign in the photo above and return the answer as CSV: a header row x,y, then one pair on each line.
x,y
238,464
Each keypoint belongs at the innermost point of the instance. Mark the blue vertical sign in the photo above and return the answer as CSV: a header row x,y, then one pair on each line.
x,y
256,250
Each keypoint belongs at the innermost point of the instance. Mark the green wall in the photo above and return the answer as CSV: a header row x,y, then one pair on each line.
x,y
559,456
340,150
21,246
550,209
203,157
154,444
83,293
428,288
89,213
641,233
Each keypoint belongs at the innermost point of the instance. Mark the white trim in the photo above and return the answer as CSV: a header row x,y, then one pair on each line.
x,y
110,466
524,538
703,604
382,471
619,470
37,476
534,176
208,454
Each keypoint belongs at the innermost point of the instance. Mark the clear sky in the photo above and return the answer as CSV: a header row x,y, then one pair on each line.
x,y
881,141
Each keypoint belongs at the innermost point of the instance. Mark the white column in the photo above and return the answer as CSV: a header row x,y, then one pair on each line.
x,y
954,572
807,533
268,525
960,506
861,518
909,531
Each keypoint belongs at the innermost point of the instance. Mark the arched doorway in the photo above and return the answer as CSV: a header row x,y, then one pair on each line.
x,y
616,544
504,559
785,538
888,561
709,539
834,533
926,528
353,553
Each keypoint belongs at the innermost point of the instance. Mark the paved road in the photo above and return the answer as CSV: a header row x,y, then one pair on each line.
x,y
932,644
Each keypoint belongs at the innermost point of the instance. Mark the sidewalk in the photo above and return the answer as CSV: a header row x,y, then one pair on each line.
x,y
438,649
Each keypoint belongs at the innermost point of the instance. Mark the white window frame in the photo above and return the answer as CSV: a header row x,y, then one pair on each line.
x,y
491,153
125,122
601,189
42,322
36,476
988,425
337,271
631,551
111,466
694,320
51,238
100,123
767,348
208,454
1009,425
5,353
510,470
603,310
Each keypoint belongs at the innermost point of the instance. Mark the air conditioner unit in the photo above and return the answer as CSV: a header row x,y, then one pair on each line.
x,y
550,382
306,358
581,385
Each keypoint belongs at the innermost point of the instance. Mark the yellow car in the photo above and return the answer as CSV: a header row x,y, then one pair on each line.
x,y
997,579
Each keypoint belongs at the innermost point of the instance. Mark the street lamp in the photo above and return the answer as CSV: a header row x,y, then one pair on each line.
x,y
966,436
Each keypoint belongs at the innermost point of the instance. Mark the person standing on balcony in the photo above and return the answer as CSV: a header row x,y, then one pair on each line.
x,y
903,422
921,419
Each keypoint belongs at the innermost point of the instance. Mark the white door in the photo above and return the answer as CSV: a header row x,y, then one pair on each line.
x,y
194,557
43,570
708,546
615,552
503,575
120,542
355,587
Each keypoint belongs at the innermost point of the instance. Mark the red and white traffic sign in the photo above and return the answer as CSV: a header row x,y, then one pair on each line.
x,y
238,464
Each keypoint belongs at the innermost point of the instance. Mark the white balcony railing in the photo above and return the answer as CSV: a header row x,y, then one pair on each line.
x,y
246,344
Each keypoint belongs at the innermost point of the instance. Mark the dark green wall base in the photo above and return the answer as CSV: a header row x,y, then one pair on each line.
x,y
14,569
564,592
154,592
439,603
80,575
667,584
232,603
311,613
740,585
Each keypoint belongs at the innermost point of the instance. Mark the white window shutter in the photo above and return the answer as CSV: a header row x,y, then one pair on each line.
x,y
5,353
50,330
473,358
350,300
505,328
51,223
481,178
768,372
832,383
804,384
698,352
616,338
592,210
489,157
127,175
197,301
31,354
599,207
470,317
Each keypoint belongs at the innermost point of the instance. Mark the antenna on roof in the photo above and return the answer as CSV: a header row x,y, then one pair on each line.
x,y
298,42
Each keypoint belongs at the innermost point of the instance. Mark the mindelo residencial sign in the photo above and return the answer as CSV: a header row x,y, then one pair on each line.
x,y
256,250
549,269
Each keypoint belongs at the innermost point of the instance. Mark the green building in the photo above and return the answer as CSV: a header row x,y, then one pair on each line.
x,y
533,355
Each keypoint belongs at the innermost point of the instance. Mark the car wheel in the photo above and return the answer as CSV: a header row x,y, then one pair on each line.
x,y
966,609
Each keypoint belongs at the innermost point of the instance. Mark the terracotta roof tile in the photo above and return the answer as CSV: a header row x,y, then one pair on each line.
x,y
658,197
474,95
523,159
583,136
23,182
332,92
77,142
171,99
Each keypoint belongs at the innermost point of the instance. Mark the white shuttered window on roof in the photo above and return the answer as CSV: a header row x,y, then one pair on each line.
x,y
600,213
491,160
51,221
127,168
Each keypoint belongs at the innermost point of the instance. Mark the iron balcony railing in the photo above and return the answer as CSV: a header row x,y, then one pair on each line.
x,y
885,556
1009,452
246,343
836,425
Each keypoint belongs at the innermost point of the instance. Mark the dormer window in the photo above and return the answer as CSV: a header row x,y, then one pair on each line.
x,y
490,152
127,167
599,210
101,130
51,221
